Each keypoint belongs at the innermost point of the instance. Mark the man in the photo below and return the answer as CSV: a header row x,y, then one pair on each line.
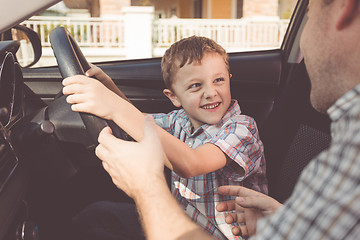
x,y
326,200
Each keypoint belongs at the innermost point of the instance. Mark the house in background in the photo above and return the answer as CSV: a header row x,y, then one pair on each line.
x,y
97,8
218,9
207,9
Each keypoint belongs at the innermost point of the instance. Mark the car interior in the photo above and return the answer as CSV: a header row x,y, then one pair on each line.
x,y
48,170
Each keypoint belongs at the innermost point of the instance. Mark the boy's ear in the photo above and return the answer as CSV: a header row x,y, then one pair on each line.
x,y
173,98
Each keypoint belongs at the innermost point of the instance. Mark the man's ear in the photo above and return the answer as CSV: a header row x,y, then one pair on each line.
x,y
348,12
173,98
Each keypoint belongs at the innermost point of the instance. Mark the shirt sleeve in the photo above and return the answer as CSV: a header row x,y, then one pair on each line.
x,y
166,120
238,138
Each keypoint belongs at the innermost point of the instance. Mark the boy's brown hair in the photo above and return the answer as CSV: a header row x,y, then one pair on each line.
x,y
186,51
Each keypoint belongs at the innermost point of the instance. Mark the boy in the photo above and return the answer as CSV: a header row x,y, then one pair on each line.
x,y
207,143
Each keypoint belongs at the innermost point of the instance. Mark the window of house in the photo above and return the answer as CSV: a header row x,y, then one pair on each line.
x,y
173,12
239,8
197,8
159,14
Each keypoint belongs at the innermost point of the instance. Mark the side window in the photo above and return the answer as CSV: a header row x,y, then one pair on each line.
x,y
239,8
119,30
197,8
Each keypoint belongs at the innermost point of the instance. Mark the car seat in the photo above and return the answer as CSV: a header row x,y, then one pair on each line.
x,y
293,134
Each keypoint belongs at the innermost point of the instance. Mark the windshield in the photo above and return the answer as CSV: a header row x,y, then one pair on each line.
x,y
120,30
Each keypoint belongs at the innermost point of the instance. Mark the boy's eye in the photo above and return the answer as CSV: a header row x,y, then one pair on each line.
x,y
195,85
218,80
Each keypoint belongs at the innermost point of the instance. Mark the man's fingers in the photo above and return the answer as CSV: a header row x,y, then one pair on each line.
x,y
237,191
107,138
235,217
229,206
240,230
226,206
104,134
236,231
101,151
263,203
106,166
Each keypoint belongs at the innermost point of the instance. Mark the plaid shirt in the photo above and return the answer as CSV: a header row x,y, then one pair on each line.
x,y
237,136
325,203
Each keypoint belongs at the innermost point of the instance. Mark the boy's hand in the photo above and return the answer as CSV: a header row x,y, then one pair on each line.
x,y
99,74
249,206
132,165
90,96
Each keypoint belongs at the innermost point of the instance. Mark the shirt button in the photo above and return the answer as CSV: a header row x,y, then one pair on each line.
x,y
183,181
189,144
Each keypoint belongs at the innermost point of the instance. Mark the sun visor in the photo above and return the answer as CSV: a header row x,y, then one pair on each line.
x,y
16,11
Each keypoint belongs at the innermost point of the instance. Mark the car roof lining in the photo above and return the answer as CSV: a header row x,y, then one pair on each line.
x,y
15,14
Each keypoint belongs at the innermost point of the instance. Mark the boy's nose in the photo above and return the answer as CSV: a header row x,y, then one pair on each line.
x,y
210,92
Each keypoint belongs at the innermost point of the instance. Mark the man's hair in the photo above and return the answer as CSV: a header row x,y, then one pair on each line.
x,y
186,51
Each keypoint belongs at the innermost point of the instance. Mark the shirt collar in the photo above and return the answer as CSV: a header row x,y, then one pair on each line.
x,y
344,103
234,109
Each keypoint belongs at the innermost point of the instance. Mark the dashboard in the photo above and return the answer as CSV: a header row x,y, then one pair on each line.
x,y
10,108
31,149
11,84
13,177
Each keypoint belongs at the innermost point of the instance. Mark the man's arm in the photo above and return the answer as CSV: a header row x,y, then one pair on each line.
x,y
132,166
162,217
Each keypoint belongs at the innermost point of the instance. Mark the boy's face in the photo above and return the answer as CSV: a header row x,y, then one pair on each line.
x,y
203,90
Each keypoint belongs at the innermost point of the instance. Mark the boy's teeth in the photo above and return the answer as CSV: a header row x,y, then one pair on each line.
x,y
211,106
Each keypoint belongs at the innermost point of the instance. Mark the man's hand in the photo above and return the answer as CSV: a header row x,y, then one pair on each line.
x,y
249,206
132,165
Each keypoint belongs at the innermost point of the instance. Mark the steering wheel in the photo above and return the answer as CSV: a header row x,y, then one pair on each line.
x,y
71,61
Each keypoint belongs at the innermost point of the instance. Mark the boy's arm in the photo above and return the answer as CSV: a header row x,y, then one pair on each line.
x,y
188,162
182,159
91,96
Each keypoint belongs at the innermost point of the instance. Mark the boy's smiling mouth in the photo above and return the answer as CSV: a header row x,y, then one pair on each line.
x,y
210,106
